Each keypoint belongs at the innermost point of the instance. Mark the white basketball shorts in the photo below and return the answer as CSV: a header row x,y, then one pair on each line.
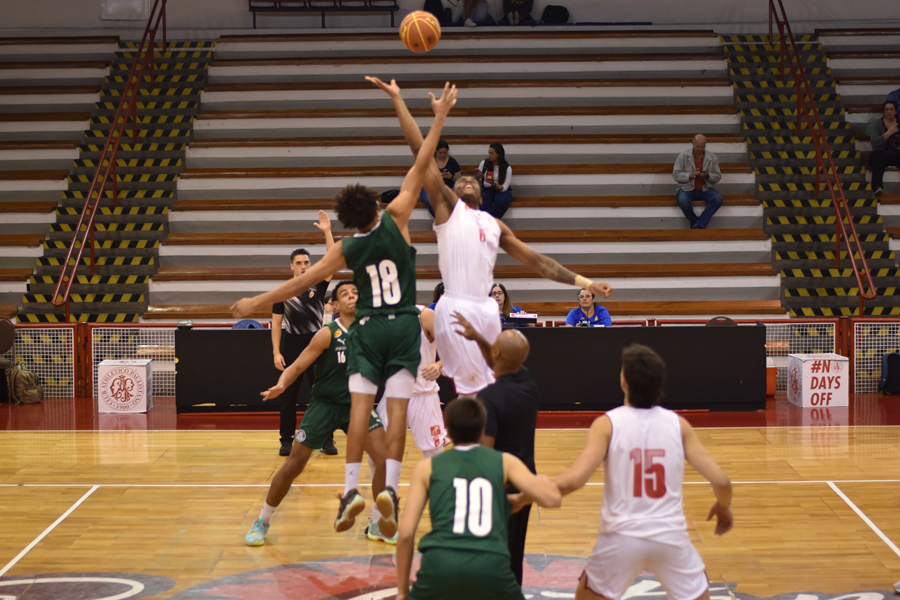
x,y
617,559
463,361
424,418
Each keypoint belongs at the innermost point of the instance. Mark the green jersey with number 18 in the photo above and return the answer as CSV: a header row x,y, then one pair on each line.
x,y
384,270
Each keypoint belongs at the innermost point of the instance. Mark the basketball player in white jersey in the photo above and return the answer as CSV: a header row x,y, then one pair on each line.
x,y
468,240
642,448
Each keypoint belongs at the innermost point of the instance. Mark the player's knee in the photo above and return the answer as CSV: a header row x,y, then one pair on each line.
x,y
399,385
360,385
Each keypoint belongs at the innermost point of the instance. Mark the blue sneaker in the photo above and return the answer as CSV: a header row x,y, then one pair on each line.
x,y
373,533
257,534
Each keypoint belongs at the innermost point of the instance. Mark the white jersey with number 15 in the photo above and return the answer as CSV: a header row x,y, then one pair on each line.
x,y
643,471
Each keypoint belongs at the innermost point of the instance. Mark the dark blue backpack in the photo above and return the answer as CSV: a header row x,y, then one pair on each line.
x,y
890,374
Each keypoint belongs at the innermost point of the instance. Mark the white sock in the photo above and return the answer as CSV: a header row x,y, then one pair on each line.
x,y
266,513
432,452
371,466
392,473
351,476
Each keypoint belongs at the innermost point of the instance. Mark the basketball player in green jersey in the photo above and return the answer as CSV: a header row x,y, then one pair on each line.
x,y
383,344
466,553
329,408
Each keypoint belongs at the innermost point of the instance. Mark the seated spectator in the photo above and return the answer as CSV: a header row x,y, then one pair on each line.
x,y
518,12
698,172
477,12
588,312
496,177
505,305
449,170
894,97
885,145
436,295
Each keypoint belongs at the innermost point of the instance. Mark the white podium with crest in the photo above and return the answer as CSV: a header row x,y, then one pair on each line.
x,y
125,386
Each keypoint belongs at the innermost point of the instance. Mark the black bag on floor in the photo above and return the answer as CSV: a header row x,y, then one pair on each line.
x,y
890,374
555,15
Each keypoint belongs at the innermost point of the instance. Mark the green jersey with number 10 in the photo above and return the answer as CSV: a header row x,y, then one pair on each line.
x,y
384,270
467,497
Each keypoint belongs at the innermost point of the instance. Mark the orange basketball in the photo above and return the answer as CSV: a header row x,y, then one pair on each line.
x,y
420,31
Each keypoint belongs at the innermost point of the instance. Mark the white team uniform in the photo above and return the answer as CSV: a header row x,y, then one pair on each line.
x,y
467,251
642,522
423,414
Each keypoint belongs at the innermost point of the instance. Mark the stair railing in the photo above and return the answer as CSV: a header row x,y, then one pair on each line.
x,y
806,109
127,110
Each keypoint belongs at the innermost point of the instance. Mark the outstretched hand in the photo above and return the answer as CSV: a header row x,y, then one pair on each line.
x,y
324,223
724,518
467,330
273,392
243,308
391,90
600,288
442,105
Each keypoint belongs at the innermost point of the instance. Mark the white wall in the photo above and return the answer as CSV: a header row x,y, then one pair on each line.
x,y
212,17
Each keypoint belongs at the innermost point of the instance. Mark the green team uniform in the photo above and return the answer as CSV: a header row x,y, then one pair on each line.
x,y
385,336
329,406
465,555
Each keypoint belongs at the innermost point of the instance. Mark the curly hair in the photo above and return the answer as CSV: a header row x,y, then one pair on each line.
x,y
356,206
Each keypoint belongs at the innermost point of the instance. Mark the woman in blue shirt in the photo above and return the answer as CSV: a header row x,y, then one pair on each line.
x,y
594,314
498,293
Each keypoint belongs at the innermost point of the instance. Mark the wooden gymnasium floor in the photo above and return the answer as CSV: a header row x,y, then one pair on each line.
x,y
161,513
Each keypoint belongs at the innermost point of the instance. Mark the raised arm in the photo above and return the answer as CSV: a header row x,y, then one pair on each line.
x,y
470,334
537,488
324,225
328,266
546,266
401,207
699,457
409,522
441,197
313,350
589,460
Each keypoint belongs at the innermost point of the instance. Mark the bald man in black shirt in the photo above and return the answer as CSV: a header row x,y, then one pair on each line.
x,y
511,404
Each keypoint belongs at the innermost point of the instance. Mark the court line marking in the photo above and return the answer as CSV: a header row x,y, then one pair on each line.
x,y
44,534
865,519
328,485
208,431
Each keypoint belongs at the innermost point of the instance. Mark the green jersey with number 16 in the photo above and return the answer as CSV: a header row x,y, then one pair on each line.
x,y
331,369
384,270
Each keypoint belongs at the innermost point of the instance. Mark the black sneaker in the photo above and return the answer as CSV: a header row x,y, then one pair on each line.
x,y
285,450
329,448
351,505
879,191
388,506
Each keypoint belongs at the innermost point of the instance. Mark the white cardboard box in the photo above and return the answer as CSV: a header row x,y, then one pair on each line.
x,y
125,386
817,380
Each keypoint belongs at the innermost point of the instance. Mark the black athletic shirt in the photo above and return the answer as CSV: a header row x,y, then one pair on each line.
x,y
512,405
303,313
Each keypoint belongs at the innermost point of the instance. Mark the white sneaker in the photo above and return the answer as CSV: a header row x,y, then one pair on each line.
x,y
471,23
515,19
509,18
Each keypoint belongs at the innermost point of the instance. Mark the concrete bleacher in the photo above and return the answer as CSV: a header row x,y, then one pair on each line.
x,y
591,123
47,89
865,64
